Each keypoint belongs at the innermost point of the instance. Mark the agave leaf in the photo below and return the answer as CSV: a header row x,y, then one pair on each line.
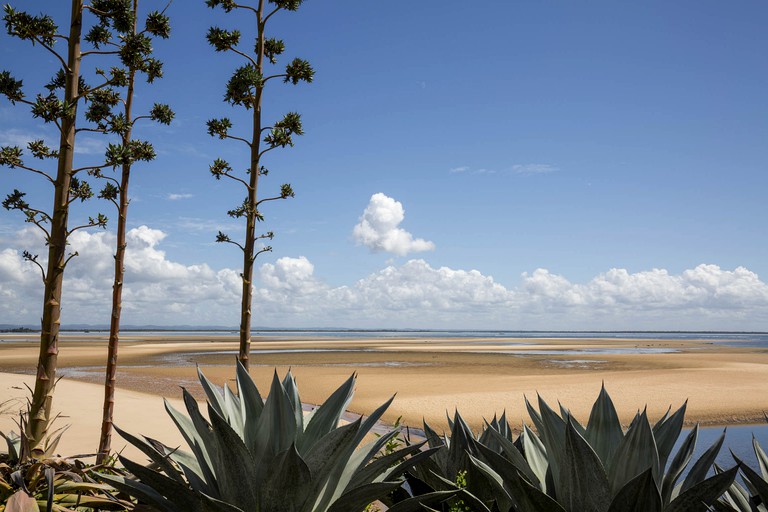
x,y
700,469
511,452
762,458
639,495
276,430
20,501
704,493
331,451
287,484
737,497
604,432
215,397
360,497
139,490
327,416
233,412
496,471
536,455
435,441
525,496
154,455
635,454
678,464
661,420
553,437
666,434
13,442
233,465
760,485
197,432
417,503
461,444
534,414
289,384
566,413
251,404
406,464
380,466
179,494
497,492
584,483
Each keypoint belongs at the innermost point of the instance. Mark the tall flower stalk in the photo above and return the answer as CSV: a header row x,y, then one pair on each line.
x,y
245,89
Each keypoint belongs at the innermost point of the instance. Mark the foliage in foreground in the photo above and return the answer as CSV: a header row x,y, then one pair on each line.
x,y
49,483
264,456
568,467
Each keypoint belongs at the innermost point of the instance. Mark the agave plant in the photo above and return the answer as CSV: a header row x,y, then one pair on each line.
x,y
33,480
256,455
753,495
568,467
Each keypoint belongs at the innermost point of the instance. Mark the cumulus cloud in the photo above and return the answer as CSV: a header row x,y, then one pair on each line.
x,y
378,228
288,293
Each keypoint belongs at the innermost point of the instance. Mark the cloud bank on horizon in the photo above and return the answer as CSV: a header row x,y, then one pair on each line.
x,y
413,294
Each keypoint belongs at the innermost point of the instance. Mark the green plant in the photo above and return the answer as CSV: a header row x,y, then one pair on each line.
x,y
753,495
112,112
55,104
570,467
49,483
245,89
257,455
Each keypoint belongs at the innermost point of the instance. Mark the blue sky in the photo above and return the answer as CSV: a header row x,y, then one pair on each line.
x,y
566,165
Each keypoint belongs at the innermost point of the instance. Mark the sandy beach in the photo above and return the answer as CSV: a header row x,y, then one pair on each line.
x,y
480,377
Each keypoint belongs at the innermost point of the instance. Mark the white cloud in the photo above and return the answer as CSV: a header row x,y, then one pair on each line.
x,y
378,228
533,168
90,146
288,293
177,197
456,170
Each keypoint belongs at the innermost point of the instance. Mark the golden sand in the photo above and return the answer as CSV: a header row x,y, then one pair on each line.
x,y
479,377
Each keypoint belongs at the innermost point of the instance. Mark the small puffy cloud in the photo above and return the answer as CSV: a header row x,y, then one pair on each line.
x,y
378,228
456,170
178,197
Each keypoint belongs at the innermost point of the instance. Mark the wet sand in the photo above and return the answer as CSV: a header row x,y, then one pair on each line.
x,y
480,377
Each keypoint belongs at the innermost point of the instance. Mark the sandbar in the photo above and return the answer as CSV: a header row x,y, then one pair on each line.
x,y
431,377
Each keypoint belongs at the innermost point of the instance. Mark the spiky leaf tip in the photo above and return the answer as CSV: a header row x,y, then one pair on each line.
x,y
219,168
27,27
10,156
40,151
222,39
98,36
272,48
110,191
80,190
288,5
299,70
158,24
161,113
10,87
116,13
15,201
291,122
227,5
219,127
241,86
286,191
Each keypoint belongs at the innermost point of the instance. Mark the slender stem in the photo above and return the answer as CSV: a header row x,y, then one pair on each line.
x,y
45,382
36,171
110,379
